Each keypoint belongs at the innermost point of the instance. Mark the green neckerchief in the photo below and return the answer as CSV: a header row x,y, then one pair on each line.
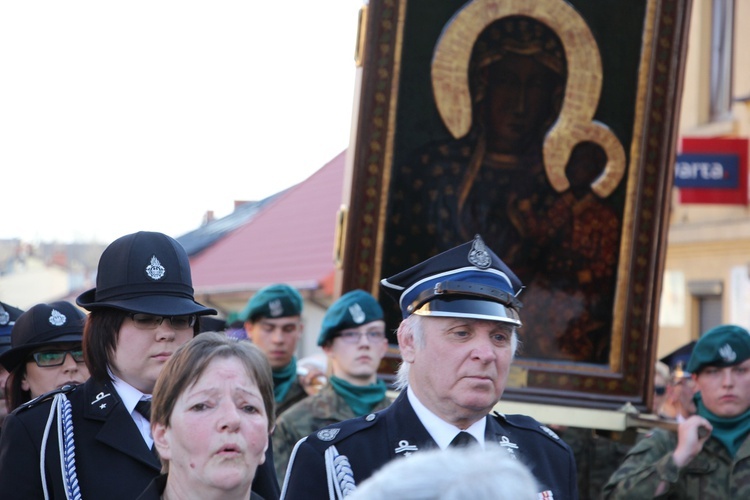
x,y
730,431
361,399
283,378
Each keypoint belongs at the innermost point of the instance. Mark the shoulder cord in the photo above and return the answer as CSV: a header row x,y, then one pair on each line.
x,y
61,407
339,474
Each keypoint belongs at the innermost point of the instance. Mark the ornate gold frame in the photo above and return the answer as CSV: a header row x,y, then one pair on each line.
x,y
627,377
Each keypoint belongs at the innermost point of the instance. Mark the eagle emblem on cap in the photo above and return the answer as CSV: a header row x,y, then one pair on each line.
x,y
478,255
727,353
358,315
155,270
56,318
275,308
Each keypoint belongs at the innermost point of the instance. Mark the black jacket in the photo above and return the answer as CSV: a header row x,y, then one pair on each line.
x,y
156,489
371,441
112,459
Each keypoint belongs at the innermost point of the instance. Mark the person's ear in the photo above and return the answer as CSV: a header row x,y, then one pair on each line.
x,y
25,383
161,434
406,343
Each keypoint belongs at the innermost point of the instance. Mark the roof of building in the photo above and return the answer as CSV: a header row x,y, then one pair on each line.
x,y
287,238
199,239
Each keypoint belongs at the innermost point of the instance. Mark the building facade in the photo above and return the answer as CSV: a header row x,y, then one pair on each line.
x,y
707,268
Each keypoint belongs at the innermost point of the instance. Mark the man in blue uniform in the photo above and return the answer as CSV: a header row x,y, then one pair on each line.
x,y
457,340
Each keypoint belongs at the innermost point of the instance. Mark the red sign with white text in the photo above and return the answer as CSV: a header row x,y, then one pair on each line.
x,y
706,148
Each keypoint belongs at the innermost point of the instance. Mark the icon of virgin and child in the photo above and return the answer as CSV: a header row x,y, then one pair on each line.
x,y
526,167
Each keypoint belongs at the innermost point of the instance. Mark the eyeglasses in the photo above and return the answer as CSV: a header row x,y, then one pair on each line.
x,y
353,336
151,322
46,359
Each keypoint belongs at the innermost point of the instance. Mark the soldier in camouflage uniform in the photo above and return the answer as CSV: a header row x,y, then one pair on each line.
x,y
709,457
353,338
273,321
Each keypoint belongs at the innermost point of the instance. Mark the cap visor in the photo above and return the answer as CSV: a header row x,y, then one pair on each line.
x,y
160,305
469,308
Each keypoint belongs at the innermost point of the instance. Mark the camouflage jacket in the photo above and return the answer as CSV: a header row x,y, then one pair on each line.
x,y
295,394
713,474
306,417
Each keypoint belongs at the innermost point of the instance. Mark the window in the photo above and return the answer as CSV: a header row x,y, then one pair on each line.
x,y
722,34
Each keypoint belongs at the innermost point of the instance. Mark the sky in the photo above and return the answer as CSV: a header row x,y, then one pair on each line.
x,y
117,117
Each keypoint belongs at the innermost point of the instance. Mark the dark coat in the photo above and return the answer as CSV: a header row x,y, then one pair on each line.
x,y
157,486
112,459
371,441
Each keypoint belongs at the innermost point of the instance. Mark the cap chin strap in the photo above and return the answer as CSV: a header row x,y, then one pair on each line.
x,y
445,289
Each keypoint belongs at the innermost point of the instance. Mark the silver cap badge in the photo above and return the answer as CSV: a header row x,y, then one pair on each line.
x,y
727,353
358,315
478,255
275,308
155,270
57,318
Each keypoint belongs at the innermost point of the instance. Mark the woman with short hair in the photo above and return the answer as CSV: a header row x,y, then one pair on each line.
x,y
212,412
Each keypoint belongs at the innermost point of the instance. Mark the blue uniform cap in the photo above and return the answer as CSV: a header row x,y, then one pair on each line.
x,y
351,310
468,281
274,301
677,360
144,272
41,325
725,345
8,317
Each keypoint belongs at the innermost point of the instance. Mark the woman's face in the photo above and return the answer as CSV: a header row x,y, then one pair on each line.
x,y
41,379
218,432
140,354
520,101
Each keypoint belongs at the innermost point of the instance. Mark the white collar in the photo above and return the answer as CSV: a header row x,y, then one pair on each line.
x,y
440,430
128,394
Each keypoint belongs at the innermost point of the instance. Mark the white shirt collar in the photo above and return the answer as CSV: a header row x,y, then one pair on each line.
x,y
130,396
440,430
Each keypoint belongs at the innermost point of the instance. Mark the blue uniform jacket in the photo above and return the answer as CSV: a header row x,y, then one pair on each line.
x,y
111,457
371,441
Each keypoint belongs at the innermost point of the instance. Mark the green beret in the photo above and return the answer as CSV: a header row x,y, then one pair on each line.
x,y
353,309
273,301
725,345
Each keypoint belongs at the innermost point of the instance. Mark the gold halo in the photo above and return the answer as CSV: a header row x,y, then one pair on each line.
x,y
450,83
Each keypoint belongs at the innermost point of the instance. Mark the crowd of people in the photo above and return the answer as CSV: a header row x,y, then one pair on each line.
x,y
138,400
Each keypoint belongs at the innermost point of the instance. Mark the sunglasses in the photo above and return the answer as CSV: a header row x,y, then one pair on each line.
x,y
151,322
46,359
660,390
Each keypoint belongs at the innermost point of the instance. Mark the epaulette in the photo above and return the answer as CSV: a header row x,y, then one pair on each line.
x,y
529,423
46,396
337,432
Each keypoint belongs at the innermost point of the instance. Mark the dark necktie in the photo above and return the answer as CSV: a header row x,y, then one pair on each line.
x,y
462,439
144,408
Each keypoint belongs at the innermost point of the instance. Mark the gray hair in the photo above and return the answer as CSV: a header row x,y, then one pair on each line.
x,y
452,474
414,326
